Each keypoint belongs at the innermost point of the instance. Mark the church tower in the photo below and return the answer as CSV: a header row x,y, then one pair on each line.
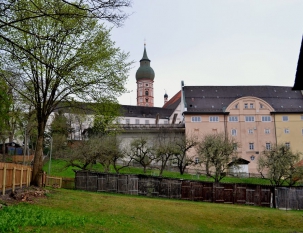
x,y
145,78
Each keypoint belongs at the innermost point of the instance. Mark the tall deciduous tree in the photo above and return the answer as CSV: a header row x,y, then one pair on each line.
x,y
215,152
279,165
61,57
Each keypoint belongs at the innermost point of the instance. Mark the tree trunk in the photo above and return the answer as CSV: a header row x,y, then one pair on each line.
x,y
38,161
3,150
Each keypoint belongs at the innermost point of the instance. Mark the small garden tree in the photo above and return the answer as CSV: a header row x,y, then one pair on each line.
x,y
216,151
141,152
279,165
183,144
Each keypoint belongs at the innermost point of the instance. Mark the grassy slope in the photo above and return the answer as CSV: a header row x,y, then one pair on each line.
x,y
57,169
100,212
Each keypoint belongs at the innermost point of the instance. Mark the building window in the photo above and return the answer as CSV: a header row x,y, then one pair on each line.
x,y
266,118
245,105
146,84
249,118
268,146
302,131
251,105
127,121
250,131
284,118
146,93
234,132
233,119
137,121
287,145
195,119
196,160
236,106
251,146
267,131
146,100
146,122
261,106
286,130
214,119
165,121
301,117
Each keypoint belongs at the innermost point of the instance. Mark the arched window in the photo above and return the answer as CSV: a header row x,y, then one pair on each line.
x,y
146,93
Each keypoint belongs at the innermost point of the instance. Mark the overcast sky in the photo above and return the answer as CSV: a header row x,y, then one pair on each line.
x,y
212,42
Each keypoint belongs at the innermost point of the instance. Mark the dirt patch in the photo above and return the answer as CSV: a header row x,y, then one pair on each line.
x,y
29,195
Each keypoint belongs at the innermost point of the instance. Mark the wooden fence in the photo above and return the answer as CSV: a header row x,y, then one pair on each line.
x,y
258,195
58,182
14,176
20,158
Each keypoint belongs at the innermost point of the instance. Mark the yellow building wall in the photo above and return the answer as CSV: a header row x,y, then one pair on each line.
x,y
247,132
290,131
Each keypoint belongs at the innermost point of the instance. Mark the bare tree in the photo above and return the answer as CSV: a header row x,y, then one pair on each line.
x,y
165,148
215,152
278,165
141,152
183,145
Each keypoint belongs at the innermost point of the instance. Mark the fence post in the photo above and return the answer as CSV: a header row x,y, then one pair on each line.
x,y
28,178
4,180
21,178
14,179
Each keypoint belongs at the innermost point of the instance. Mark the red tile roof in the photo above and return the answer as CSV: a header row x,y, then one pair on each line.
x,y
174,99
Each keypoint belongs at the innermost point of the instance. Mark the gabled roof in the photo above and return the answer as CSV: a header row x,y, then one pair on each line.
x,y
215,99
173,102
145,112
299,74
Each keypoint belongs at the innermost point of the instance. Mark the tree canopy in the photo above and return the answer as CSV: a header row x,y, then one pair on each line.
x,y
216,151
279,165
60,52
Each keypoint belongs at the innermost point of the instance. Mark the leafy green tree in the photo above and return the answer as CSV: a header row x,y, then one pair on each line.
x,y
216,151
5,105
59,130
279,165
60,58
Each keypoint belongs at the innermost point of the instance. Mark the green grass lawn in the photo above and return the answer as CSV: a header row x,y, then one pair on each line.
x,y
58,169
79,211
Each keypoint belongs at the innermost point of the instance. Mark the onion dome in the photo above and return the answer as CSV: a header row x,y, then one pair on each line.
x,y
145,71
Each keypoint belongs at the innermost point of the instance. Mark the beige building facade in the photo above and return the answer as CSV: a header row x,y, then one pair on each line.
x,y
257,117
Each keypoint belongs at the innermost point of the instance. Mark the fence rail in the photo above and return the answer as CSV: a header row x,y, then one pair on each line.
x,y
13,176
258,195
